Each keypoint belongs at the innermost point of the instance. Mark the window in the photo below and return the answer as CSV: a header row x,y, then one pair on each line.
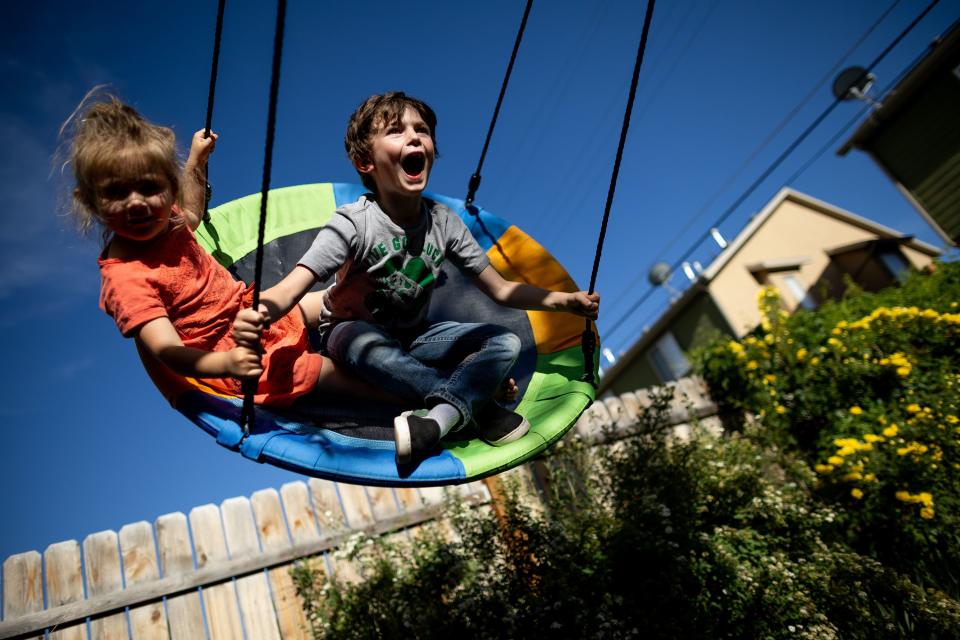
x,y
795,287
667,358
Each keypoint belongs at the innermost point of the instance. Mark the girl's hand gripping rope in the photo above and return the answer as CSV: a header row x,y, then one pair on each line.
x,y
248,329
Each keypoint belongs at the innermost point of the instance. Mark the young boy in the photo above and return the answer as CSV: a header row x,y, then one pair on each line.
x,y
386,250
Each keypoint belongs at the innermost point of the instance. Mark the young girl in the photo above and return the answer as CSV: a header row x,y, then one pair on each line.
x,y
158,284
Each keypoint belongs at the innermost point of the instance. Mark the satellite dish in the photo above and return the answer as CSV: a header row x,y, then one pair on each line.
x,y
853,83
659,273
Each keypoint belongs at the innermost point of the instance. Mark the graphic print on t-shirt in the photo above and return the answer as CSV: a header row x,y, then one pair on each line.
x,y
403,287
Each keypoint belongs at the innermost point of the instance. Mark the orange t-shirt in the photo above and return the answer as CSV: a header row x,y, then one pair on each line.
x,y
174,277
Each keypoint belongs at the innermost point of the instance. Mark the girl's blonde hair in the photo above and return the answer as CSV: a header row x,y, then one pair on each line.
x,y
108,137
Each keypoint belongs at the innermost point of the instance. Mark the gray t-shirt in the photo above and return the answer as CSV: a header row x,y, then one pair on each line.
x,y
386,273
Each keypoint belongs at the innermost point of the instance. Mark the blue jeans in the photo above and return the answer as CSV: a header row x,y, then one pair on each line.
x,y
462,364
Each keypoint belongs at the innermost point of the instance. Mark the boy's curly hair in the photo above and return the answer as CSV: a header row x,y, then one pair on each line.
x,y
375,112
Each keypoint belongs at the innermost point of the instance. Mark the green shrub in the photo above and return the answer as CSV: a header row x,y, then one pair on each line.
x,y
866,390
718,537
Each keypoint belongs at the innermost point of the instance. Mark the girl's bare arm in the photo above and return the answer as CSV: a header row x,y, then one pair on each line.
x,y
163,342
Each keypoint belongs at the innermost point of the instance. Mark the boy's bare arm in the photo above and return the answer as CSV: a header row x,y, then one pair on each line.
x,y
284,296
524,296
163,341
194,182
276,302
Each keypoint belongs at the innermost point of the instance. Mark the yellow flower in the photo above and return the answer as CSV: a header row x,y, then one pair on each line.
x,y
850,477
814,361
891,431
823,468
925,498
903,496
767,379
752,365
871,437
926,513
913,407
869,477
781,409
846,451
835,460
768,338
856,493
952,419
801,353
833,342
855,410
903,372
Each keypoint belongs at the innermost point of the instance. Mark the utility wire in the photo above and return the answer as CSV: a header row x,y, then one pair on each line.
x,y
774,165
760,147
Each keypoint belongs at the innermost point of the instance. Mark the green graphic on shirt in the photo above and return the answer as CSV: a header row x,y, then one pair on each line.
x,y
403,290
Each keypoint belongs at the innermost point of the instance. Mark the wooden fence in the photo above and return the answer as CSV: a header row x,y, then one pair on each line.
x,y
224,572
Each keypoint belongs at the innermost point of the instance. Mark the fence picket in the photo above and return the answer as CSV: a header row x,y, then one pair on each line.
x,y
184,615
259,619
64,581
102,560
356,506
302,521
22,587
220,601
333,519
139,566
409,498
384,506
273,535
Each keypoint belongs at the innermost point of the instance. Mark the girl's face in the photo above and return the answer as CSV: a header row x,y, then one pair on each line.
x,y
135,207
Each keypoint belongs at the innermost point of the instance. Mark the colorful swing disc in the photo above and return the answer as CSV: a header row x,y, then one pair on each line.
x,y
349,443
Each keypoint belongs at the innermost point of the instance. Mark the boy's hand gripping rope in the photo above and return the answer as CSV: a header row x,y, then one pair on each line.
x,y
588,340
250,384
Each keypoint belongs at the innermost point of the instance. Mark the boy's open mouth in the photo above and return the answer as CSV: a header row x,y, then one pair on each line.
x,y
413,164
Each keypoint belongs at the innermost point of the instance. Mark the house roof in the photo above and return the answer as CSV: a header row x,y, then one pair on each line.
x,y
899,96
734,247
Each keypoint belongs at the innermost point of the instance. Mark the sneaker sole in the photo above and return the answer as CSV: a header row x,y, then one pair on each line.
x,y
401,438
513,436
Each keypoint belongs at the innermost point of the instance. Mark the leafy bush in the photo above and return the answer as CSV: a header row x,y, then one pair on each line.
x,y
866,390
718,537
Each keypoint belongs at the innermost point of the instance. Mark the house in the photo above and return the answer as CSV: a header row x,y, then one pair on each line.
x,y
804,247
914,135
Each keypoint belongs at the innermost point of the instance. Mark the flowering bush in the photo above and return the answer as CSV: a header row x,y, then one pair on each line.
x,y
867,391
715,538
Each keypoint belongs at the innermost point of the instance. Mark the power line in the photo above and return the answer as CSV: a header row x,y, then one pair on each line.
x,y
763,144
775,164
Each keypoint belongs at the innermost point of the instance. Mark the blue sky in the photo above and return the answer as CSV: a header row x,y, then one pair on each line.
x,y
89,444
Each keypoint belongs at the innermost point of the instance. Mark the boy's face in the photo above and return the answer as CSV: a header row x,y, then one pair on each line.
x,y
401,156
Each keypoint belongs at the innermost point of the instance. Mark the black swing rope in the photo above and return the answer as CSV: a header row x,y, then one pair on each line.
x,y
588,339
250,384
475,178
214,64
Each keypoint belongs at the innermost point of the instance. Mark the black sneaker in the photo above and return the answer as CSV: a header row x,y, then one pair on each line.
x,y
414,435
499,426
